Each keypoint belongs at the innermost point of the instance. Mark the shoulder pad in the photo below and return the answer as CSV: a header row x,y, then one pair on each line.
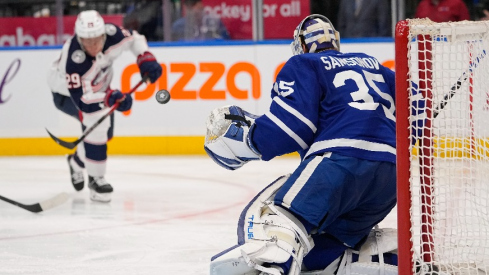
x,y
77,61
110,29
115,35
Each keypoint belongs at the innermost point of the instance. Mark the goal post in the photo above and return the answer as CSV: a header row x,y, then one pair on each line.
x,y
442,121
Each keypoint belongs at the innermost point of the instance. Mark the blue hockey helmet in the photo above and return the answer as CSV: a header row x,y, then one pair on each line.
x,y
317,33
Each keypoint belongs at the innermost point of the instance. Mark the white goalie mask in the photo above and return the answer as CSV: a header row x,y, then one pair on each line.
x,y
317,33
89,24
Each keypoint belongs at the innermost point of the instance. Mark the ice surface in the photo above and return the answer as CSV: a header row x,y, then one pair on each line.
x,y
168,215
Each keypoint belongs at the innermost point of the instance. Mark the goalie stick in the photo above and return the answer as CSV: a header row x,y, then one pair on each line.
x,y
458,84
40,206
73,144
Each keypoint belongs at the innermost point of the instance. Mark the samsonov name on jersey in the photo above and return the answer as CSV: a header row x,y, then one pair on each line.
x,y
332,62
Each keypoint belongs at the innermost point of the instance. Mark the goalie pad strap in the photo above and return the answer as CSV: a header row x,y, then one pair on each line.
x,y
251,263
238,118
297,226
347,267
378,239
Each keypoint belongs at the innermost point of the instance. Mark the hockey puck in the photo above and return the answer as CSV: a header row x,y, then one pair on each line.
x,y
162,96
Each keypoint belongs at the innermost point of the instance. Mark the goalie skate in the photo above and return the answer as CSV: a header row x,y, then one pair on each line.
x,y
100,189
77,177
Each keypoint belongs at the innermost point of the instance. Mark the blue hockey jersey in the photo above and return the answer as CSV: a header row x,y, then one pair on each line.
x,y
330,102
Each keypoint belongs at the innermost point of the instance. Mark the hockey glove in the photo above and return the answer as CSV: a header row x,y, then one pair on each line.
x,y
113,96
148,66
228,138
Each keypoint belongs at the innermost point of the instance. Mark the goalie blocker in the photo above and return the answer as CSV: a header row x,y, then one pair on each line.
x,y
267,235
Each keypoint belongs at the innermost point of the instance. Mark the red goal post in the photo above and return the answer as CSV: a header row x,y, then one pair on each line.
x,y
442,117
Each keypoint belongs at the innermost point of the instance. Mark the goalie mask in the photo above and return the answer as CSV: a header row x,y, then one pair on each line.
x,y
316,33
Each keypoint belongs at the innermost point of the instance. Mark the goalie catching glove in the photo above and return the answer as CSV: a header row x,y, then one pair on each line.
x,y
228,138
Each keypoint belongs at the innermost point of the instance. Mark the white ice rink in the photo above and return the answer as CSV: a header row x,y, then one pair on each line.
x,y
168,215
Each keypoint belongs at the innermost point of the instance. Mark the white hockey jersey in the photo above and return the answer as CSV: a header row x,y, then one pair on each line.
x,y
85,78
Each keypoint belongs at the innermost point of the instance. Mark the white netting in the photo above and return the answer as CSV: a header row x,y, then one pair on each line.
x,y
450,171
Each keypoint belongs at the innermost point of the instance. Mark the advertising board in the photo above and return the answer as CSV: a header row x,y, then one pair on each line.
x,y
199,78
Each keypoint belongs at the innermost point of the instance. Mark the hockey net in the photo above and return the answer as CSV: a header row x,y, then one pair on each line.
x,y
442,111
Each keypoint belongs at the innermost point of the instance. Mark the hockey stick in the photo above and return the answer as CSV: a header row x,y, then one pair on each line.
x,y
73,144
40,206
458,84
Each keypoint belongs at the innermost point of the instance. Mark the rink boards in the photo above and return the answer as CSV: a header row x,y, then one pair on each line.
x,y
200,77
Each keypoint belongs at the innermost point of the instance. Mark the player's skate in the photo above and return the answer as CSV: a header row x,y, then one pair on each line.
x,y
100,189
77,177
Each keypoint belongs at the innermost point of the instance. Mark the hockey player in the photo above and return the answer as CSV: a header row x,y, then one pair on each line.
x,y
80,81
337,110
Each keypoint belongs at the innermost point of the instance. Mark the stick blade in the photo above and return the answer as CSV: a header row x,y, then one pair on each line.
x,y
54,201
68,145
41,206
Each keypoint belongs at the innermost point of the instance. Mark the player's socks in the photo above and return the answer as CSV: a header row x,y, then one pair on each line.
x,y
76,171
100,189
